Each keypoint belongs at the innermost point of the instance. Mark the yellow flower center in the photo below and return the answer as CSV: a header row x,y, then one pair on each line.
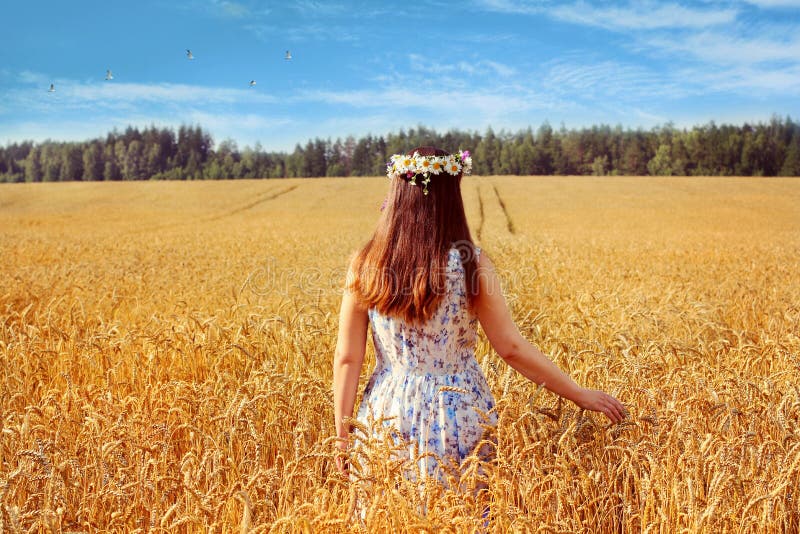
x,y
437,165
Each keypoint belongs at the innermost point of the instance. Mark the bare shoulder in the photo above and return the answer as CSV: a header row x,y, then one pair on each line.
x,y
483,261
488,282
350,271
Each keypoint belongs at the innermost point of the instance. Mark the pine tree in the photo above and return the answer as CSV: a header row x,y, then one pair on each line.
x,y
661,164
791,164
33,166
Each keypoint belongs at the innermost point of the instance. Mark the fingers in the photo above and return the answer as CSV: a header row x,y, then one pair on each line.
x,y
342,465
617,410
612,408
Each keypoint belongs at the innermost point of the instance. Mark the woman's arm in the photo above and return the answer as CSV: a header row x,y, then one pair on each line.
x,y
519,353
347,361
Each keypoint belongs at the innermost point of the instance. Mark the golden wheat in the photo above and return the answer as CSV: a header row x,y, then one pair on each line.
x,y
167,346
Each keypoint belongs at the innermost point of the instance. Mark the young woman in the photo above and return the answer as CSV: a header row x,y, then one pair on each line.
x,y
423,286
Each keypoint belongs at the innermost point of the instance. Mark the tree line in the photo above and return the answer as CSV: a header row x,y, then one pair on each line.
x,y
762,149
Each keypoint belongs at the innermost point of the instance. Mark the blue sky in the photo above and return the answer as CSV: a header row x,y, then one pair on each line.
x,y
370,67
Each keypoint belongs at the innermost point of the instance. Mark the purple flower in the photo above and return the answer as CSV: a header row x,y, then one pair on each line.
x,y
465,153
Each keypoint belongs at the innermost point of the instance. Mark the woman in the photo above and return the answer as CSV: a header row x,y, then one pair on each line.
x,y
423,286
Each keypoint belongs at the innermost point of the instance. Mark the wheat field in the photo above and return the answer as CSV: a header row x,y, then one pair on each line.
x,y
166,354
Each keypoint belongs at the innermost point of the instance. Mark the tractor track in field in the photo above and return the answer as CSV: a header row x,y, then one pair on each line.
x,y
264,198
509,221
482,217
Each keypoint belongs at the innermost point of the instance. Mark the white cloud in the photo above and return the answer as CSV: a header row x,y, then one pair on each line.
x,y
245,128
162,93
303,33
633,16
574,76
314,7
73,94
699,50
233,122
642,16
29,77
434,105
749,80
774,3
484,68
499,68
726,49
233,9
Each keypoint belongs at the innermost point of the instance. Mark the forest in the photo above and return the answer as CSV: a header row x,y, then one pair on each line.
x,y
762,149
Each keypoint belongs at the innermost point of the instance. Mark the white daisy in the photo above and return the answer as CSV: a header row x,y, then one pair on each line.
x,y
397,163
453,167
437,164
425,165
408,164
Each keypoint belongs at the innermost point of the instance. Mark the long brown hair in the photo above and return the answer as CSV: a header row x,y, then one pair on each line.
x,y
401,270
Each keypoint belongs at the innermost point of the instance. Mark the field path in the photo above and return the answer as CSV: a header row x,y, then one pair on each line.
x,y
494,217
481,216
264,198
509,222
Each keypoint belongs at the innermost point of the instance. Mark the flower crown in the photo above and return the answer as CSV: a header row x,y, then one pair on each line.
x,y
411,167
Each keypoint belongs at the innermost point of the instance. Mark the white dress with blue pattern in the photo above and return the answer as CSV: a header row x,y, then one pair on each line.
x,y
413,363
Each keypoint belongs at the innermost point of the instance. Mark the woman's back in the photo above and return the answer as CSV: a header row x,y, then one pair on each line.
x,y
427,379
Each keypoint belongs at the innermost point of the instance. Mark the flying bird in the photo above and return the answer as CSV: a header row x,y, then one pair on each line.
x,y
189,54
288,55
52,88
109,76
252,83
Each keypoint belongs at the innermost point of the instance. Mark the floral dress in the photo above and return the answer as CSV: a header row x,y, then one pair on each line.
x,y
427,382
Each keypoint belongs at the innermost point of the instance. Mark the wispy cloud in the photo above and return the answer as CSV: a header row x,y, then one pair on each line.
x,y
73,94
748,79
634,15
726,49
29,77
237,122
774,3
485,38
247,128
479,67
301,33
710,48
233,9
316,8
608,78
437,104
642,16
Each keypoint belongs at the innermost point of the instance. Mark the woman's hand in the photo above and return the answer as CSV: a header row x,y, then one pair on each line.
x,y
599,401
341,459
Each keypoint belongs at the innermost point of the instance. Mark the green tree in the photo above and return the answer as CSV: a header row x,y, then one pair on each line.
x,y
133,163
600,166
72,168
487,154
791,164
92,162
661,164
33,166
634,158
